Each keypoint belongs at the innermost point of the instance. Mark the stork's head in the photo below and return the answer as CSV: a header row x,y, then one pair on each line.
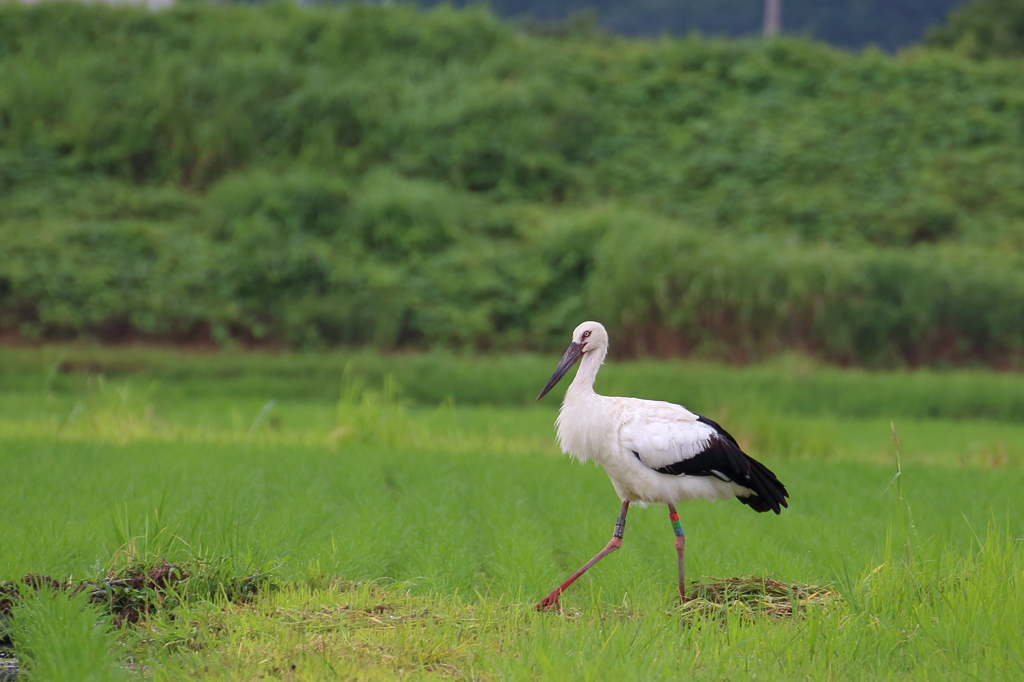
x,y
589,337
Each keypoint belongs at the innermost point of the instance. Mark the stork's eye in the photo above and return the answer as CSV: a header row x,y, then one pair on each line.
x,y
586,334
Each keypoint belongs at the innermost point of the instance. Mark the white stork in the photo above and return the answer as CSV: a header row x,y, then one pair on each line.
x,y
653,451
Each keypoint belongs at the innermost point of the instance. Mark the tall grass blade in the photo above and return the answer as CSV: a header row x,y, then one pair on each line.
x,y
62,637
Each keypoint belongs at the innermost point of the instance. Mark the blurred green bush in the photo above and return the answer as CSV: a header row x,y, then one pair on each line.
x,y
382,175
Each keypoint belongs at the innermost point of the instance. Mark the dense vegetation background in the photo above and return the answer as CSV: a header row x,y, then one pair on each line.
x,y
382,175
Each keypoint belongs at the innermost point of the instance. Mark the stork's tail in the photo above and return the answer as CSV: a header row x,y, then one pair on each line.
x,y
769,492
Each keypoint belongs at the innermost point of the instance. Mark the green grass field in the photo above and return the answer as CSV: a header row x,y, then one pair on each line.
x,y
368,517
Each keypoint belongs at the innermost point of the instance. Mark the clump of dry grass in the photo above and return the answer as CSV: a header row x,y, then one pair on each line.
x,y
754,596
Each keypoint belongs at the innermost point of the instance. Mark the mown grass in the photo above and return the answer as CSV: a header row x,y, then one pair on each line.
x,y
394,538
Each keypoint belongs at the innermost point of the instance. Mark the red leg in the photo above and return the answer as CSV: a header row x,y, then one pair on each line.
x,y
680,546
616,542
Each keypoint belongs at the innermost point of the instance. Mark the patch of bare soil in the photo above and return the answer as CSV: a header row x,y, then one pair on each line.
x,y
126,595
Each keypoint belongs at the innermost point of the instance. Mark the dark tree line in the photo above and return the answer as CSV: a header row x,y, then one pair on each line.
x,y
984,29
889,24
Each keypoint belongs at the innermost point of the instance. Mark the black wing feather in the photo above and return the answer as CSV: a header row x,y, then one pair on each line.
x,y
723,457
718,427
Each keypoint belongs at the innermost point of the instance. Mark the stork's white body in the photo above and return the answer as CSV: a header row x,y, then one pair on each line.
x,y
609,430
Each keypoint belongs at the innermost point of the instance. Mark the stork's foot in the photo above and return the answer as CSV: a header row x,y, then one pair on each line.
x,y
550,602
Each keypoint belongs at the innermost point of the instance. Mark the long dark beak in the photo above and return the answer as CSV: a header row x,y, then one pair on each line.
x,y
572,354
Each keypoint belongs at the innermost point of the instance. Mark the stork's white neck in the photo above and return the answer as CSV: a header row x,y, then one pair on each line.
x,y
582,425
583,384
